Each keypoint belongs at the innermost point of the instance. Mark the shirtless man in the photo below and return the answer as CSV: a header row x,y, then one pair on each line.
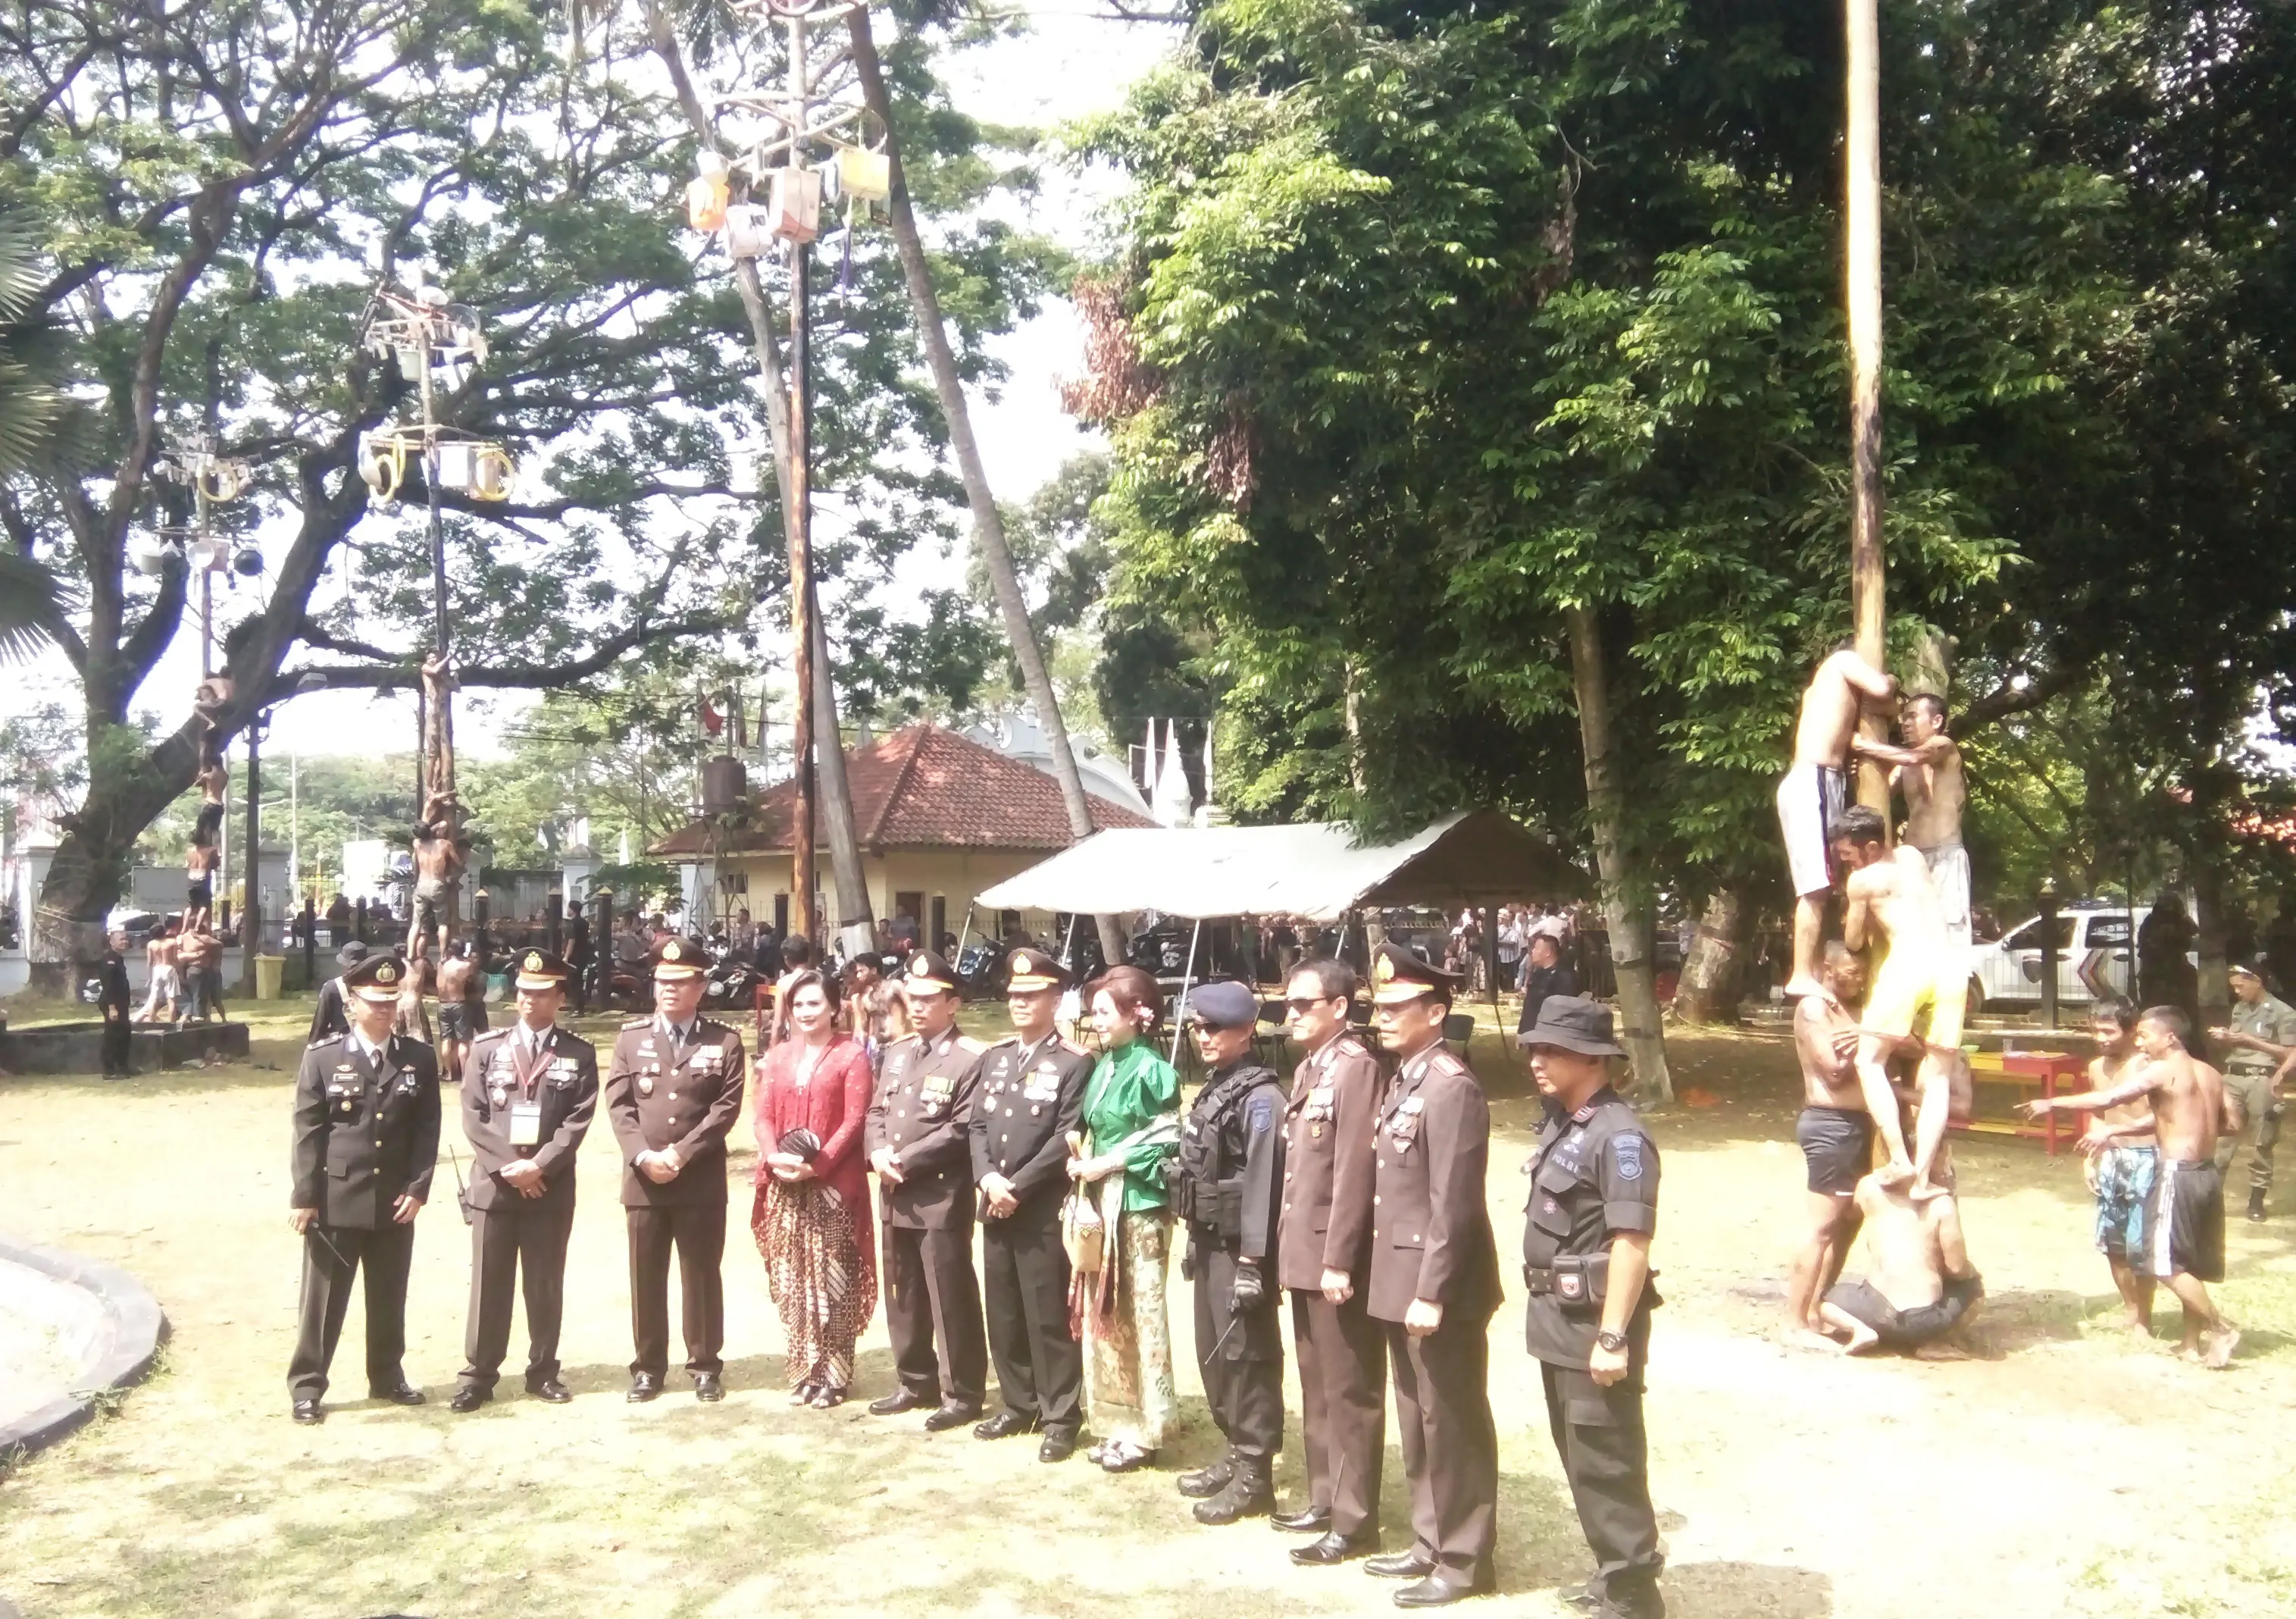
x,y
1927,770
2123,1161
437,862
1919,988
1919,1283
462,1004
2185,1221
159,962
1815,789
199,891
196,950
1836,1134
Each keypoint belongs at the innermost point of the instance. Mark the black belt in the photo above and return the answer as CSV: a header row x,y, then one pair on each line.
x,y
1537,1280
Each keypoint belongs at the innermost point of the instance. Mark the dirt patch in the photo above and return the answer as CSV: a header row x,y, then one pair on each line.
x,y
2066,1471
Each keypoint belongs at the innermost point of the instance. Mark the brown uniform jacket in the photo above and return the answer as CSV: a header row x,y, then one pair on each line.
x,y
367,1134
1328,1165
562,1079
923,1112
1430,1226
686,1094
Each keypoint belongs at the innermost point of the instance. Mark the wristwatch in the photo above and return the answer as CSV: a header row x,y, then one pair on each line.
x,y
1610,1343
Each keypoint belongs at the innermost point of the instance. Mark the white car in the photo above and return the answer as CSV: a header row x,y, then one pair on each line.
x,y
2094,946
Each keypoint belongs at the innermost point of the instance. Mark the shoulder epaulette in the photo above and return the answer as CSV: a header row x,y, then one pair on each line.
x,y
965,1042
636,1023
325,1039
1010,1040
1071,1047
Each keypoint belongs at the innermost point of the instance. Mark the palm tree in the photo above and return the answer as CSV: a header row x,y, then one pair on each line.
x,y
30,597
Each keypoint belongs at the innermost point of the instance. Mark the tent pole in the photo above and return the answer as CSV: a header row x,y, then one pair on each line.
x,y
1491,952
1067,944
1187,983
963,932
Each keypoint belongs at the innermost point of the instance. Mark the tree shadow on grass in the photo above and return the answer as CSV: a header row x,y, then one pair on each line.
x,y
1727,1590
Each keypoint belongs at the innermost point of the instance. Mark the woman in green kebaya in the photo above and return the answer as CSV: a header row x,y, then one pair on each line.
x,y
1131,1126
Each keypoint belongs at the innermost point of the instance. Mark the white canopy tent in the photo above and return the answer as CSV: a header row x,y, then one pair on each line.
x,y
1316,872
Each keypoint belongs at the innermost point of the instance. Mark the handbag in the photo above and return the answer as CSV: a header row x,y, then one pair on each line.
x,y
1082,1233
799,1143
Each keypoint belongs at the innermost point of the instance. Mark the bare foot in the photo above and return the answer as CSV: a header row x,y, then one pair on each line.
x,y
1801,985
2220,1347
1923,1189
1895,1172
2189,1350
1808,1338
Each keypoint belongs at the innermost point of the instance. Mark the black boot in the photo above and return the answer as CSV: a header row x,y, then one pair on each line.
x,y
2256,1204
1208,1481
1250,1492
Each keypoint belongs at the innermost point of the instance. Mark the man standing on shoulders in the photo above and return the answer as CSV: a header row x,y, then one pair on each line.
x,y
529,1094
2261,1040
1031,1095
1435,1283
919,1144
1226,1180
673,1092
366,1141
1586,1264
1928,771
1814,791
1322,1257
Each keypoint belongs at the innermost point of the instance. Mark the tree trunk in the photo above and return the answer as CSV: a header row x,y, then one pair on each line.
x,y
856,919
987,526
1709,990
1625,911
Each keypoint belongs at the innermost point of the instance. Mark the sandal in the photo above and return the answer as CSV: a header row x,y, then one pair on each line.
x,y
827,1398
805,1393
1122,1457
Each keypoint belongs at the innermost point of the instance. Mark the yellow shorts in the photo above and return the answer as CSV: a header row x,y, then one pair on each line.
x,y
1915,997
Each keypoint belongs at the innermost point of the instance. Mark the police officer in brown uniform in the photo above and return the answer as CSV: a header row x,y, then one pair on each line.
x,y
1435,1283
673,1091
529,1092
920,1143
1586,1258
366,1141
1323,1259
1031,1095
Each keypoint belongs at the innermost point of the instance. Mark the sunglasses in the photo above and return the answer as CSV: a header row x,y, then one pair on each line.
x,y
1309,1003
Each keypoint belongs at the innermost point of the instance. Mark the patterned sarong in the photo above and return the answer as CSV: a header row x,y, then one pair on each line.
x,y
821,1273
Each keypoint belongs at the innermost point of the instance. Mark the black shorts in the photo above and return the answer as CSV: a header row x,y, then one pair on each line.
x,y
2186,1220
1839,1143
455,1022
1907,1328
199,895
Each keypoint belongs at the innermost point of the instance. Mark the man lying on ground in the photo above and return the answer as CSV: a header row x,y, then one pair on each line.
x,y
2185,1222
1919,1285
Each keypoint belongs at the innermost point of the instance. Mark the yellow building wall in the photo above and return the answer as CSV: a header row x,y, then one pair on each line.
x,y
953,875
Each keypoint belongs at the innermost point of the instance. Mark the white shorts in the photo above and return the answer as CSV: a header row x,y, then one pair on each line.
x,y
1809,797
1949,876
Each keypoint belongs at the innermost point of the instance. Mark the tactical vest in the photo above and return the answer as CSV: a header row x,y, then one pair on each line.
x,y
1205,1178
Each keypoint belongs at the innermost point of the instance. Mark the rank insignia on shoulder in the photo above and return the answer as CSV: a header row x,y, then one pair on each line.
x,y
1071,1047
965,1042
1583,1114
636,1023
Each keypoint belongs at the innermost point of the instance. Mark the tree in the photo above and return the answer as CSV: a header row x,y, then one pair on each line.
x,y
29,409
213,282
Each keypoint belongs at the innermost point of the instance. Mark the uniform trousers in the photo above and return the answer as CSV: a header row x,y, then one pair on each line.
x,y
2259,1125
1241,1358
1598,1433
1342,1406
697,1230
526,1238
1025,1281
117,1045
1450,1445
331,1255
931,1296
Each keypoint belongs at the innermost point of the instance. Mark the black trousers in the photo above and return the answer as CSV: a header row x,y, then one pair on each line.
x,y
931,1296
1598,1433
527,1237
1241,1358
331,1256
117,1039
1025,1283
1450,1444
697,1230
1342,1406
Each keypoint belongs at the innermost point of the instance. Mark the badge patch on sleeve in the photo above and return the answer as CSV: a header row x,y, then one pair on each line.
x,y
1263,1112
1626,1151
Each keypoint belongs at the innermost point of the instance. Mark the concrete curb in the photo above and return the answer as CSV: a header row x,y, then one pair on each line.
x,y
135,1328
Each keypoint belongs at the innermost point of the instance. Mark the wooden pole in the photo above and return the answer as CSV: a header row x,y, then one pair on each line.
x,y
803,885
1862,265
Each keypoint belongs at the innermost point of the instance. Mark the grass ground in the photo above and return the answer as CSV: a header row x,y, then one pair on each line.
x,y
2066,1471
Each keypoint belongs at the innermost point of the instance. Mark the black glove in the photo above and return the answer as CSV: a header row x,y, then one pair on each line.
x,y
1188,1263
1250,1293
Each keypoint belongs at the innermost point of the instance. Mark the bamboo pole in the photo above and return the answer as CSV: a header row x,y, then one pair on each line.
x,y
1862,266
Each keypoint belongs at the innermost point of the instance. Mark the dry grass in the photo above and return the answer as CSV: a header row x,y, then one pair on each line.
x,y
2067,1472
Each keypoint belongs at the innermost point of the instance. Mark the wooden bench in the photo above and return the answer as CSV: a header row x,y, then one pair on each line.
x,y
2027,1074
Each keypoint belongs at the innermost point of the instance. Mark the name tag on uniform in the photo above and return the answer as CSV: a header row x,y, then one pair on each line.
x,y
526,1124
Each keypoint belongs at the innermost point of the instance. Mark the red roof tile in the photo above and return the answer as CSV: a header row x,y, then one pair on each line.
x,y
922,787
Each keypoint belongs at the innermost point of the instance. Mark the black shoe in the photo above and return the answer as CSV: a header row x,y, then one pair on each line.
x,y
1205,1483
1401,1565
1638,1602
953,1414
827,1398
1002,1426
893,1404
309,1412
643,1386
1307,1520
404,1395
708,1388
1249,1493
470,1397
1434,1591
551,1389
1057,1446
2256,1204
1336,1548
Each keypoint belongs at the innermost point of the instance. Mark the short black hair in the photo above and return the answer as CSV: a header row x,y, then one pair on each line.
x,y
1858,824
1335,978
797,950
2172,1019
1935,703
2115,1009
